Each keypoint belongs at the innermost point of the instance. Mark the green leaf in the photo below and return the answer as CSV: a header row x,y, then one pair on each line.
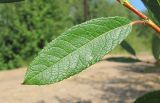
x,y
123,59
76,49
125,45
153,8
156,47
158,2
152,97
9,1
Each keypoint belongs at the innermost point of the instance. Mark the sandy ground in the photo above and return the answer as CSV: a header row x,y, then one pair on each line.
x,y
104,82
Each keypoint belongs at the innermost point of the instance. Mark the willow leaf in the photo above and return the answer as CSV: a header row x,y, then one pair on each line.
x,y
126,46
151,97
76,49
153,7
156,47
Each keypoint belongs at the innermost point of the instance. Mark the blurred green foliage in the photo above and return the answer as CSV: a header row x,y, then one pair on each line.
x,y
26,27
9,1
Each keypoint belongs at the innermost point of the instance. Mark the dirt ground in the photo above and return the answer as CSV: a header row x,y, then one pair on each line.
x,y
104,82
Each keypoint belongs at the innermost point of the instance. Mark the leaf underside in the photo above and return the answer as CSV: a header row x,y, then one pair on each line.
x,y
76,49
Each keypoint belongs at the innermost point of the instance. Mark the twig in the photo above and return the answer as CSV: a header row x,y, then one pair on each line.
x,y
141,15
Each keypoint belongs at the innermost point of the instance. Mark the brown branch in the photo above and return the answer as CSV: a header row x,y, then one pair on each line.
x,y
141,15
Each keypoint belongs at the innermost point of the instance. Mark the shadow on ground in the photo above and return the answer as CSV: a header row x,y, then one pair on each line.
x,y
105,82
136,80
132,81
142,68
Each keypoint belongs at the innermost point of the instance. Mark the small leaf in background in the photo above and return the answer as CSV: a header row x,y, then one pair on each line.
x,y
123,59
76,49
158,2
156,47
152,97
9,1
126,46
153,7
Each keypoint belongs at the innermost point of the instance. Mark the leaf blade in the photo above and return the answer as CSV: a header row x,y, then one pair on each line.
x,y
77,49
153,7
156,47
126,46
151,97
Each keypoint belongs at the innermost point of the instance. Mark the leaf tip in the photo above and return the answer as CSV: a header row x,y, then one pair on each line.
x,y
25,82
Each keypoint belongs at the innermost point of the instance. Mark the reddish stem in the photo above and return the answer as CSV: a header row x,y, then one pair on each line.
x,y
137,22
141,15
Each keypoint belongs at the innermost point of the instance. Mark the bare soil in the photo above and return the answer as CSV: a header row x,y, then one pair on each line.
x,y
104,82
